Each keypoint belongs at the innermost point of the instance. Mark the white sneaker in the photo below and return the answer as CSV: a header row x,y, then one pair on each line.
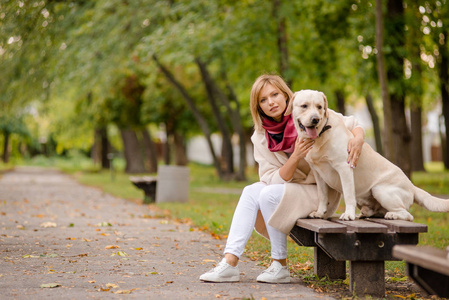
x,y
224,272
276,273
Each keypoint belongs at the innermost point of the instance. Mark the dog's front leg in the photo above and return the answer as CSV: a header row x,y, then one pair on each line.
x,y
323,196
348,186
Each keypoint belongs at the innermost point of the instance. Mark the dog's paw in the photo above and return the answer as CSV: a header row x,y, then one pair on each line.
x,y
402,215
316,215
347,216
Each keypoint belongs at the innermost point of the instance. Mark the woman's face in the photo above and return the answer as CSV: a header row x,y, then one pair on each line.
x,y
272,102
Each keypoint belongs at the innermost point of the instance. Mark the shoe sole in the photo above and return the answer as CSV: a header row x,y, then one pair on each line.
x,y
286,280
228,279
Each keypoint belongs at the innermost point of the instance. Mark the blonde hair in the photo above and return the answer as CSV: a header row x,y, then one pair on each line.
x,y
259,84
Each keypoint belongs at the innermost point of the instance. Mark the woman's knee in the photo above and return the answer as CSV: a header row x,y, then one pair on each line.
x,y
271,194
251,192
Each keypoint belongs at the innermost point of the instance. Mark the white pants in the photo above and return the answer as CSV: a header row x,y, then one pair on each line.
x,y
254,197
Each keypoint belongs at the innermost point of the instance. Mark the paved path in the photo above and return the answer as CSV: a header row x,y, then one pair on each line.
x,y
55,232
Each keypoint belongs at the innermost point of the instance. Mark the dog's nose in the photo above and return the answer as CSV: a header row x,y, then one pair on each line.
x,y
314,120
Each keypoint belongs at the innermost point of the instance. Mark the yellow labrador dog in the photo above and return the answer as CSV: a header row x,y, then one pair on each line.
x,y
377,187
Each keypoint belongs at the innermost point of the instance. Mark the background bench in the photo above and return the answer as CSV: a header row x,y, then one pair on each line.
x,y
427,266
366,244
148,185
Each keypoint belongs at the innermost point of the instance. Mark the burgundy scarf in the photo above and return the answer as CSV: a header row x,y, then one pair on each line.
x,y
280,136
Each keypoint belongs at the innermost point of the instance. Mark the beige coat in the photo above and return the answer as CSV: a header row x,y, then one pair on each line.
x,y
300,195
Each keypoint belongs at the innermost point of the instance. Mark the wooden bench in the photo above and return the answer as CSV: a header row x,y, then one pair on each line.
x,y
148,185
427,266
366,244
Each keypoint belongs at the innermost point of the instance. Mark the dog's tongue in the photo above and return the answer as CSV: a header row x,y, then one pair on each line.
x,y
312,132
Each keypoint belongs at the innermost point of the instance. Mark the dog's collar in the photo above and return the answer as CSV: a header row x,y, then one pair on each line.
x,y
326,127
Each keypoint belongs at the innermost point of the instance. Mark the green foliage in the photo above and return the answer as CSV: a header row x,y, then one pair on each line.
x,y
69,60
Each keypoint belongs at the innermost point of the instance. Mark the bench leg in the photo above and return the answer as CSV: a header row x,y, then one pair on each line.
x,y
367,278
327,266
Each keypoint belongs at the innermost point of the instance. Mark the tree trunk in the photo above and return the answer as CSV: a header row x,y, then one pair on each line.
x,y
238,127
199,118
180,149
401,135
228,152
414,41
133,153
416,144
282,42
100,149
376,123
150,151
105,148
444,89
383,80
395,74
340,101
5,155
166,145
95,153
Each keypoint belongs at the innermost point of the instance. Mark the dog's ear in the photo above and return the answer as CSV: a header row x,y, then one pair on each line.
x,y
326,111
290,105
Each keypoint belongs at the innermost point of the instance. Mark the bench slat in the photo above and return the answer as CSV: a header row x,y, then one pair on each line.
x,y
146,179
424,256
362,226
321,226
401,226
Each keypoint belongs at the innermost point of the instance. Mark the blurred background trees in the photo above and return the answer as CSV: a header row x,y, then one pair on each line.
x,y
140,79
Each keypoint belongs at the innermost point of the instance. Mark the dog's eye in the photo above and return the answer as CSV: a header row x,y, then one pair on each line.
x,y
319,107
304,106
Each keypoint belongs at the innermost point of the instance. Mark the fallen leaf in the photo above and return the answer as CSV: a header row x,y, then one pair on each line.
x,y
111,285
50,285
122,253
104,224
112,247
123,292
49,255
48,224
208,260
92,281
138,248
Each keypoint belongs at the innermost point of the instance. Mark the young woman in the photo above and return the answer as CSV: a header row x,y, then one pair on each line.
x,y
287,189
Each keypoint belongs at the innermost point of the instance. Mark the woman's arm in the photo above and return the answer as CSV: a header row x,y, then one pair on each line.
x,y
302,147
355,146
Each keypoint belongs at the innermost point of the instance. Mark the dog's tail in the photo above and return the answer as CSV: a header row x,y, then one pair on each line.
x,y
430,202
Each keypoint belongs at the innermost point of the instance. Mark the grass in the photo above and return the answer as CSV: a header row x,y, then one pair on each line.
x,y
212,203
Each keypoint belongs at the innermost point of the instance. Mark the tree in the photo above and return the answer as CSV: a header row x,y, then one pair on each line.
x,y
383,80
415,83
393,88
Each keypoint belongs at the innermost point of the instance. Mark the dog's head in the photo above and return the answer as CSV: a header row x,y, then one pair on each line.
x,y
309,112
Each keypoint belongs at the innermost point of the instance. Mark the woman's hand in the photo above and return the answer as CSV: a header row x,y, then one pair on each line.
x,y
302,147
355,146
